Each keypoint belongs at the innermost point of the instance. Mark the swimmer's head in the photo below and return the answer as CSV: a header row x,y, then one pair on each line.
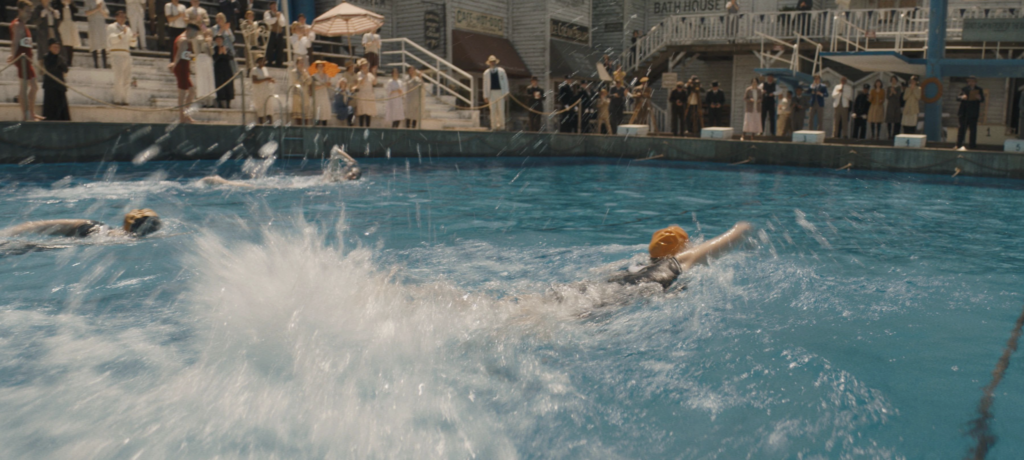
x,y
141,222
668,242
353,173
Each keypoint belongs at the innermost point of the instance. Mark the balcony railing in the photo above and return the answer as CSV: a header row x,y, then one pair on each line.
x,y
841,29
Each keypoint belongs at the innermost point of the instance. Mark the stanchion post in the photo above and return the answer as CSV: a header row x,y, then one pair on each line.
x,y
23,98
244,107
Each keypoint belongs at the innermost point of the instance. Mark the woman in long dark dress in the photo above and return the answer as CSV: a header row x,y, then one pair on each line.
x,y
55,98
222,72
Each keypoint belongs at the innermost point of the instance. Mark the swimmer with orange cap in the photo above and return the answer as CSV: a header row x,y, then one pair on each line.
x,y
137,223
671,254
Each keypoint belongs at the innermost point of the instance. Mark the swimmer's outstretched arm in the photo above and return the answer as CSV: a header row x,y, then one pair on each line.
x,y
64,227
217,180
713,247
340,152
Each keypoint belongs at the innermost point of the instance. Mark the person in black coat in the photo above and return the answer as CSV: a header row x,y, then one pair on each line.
x,y
861,106
55,98
617,104
971,97
535,99
715,102
566,97
677,99
222,72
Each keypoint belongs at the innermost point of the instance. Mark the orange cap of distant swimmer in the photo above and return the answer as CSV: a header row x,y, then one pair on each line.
x,y
668,241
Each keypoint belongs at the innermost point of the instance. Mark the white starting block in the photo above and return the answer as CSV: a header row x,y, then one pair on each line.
x,y
716,133
809,137
910,140
1014,145
633,130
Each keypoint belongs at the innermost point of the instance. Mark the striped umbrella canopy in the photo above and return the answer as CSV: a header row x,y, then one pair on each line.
x,y
347,20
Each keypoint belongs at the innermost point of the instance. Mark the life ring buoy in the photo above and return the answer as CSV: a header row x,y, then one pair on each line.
x,y
938,90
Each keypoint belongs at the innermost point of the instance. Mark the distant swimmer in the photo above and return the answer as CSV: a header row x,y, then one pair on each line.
x,y
671,254
217,180
137,223
335,172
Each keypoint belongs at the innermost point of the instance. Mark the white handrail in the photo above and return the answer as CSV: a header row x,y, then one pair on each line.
x,y
441,69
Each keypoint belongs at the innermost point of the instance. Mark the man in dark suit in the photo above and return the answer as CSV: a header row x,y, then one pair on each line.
x,y
971,97
566,98
678,102
714,101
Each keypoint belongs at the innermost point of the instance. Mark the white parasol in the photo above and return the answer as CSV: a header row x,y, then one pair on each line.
x,y
347,20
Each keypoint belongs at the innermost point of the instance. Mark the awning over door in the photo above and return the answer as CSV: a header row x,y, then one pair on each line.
x,y
470,51
573,59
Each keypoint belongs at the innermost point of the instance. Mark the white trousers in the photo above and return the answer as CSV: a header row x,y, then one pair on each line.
x,y
122,65
497,109
137,19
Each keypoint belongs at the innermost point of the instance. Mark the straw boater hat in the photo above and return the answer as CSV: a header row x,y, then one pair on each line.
x,y
492,59
361,62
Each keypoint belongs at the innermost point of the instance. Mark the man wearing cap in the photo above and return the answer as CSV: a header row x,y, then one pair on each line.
x,y
714,100
535,99
694,111
617,104
971,97
120,40
677,99
495,89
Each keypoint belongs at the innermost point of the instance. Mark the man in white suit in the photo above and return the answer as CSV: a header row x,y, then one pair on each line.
x,y
842,99
495,88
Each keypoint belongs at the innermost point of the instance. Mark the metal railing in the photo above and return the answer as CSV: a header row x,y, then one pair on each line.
x,y
795,59
853,29
445,76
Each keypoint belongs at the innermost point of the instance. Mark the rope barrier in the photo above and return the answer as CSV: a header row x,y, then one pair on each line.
x,y
404,93
140,109
981,429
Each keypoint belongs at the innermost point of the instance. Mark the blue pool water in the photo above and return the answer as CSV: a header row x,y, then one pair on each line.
x,y
414,314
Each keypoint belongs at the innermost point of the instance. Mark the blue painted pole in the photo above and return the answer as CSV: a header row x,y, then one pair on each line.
x,y
938,10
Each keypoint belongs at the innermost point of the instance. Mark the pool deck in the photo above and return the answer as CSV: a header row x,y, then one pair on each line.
x,y
66,142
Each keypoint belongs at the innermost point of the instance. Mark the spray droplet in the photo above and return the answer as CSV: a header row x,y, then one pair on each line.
x,y
146,155
366,134
389,153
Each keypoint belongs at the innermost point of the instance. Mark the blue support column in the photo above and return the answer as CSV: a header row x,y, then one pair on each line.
x,y
938,10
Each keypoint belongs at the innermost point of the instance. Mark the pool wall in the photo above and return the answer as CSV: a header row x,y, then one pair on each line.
x,y
63,142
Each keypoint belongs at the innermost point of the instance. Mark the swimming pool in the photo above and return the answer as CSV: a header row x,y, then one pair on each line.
x,y
410,315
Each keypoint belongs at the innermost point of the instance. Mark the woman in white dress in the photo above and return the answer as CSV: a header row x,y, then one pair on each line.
x,y
366,105
321,94
69,36
752,109
204,80
413,99
395,111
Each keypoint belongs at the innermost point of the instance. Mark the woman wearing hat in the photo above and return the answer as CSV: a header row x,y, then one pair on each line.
x,y
671,254
321,93
495,89
137,223
366,104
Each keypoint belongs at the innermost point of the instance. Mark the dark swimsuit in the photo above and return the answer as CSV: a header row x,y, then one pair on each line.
x,y
663,271
83,230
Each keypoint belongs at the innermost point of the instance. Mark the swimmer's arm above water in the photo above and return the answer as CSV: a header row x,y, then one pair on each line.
x,y
55,227
713,247
217,180
339,152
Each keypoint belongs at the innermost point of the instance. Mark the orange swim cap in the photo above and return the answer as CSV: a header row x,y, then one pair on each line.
x,y
668,242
